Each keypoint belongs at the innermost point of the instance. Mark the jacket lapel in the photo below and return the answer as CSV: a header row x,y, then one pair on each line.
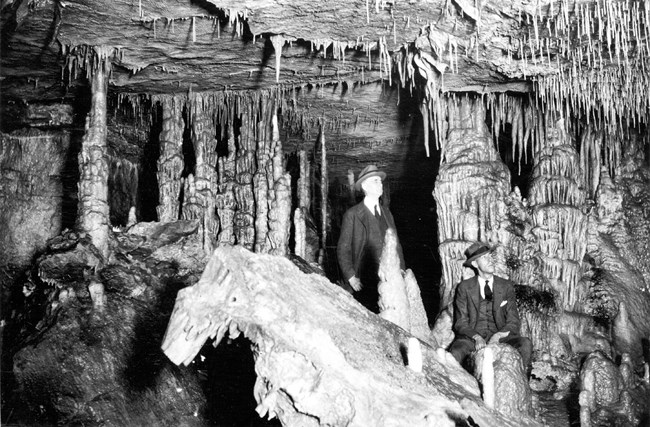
x,y
497,294
475,293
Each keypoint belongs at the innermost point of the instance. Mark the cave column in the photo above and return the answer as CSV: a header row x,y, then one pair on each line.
x,y
263,177
201,187
469,191
225,199
170,163
556,197
272,185
245,168
93,208
280,208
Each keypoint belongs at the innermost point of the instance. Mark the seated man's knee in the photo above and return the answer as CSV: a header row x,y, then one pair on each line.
x,y
460,348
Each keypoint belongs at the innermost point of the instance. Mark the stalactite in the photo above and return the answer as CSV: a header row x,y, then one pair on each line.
x,y
93,164
277,41
170,162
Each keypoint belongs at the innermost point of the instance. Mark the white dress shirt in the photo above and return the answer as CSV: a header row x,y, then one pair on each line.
x,y
482,283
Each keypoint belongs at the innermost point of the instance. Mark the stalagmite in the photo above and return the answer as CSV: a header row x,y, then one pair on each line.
x,y
93,162
97,295
623,329
170,162
393,300
417,314
300,233
301,212
414,355
585,398
487,377
504,383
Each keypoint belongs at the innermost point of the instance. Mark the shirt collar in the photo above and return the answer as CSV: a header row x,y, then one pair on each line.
x,y
370,204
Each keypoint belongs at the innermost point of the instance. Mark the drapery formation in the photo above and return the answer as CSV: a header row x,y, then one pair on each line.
x,y
469,190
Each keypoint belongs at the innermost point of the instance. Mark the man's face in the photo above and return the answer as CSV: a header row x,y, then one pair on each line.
x,y
485,263
373,186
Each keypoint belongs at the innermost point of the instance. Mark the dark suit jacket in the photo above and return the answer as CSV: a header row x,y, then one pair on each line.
x,y
467,302
354,235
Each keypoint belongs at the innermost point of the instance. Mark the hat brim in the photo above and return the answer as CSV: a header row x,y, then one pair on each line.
x,y
357,185
468,261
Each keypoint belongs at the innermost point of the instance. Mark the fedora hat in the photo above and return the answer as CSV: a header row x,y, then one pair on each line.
x,y
367,172
475,251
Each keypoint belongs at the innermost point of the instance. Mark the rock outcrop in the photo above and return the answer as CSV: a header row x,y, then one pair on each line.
x,y
321,358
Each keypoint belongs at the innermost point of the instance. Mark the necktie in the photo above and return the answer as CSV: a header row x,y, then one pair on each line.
x,y
377,214
488,291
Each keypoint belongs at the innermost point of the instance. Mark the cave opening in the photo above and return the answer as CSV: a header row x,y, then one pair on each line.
x,y
147,189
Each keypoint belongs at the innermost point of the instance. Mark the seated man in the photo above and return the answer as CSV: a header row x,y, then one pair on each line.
x,y
485,308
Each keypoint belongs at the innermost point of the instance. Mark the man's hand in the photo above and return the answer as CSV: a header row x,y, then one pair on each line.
x,y
479,342
497,337
355,283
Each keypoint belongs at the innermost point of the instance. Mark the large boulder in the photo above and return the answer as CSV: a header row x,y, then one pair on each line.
x,y
321,358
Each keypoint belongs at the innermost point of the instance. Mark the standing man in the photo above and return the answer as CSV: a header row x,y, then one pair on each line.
x,y
485,309
362,239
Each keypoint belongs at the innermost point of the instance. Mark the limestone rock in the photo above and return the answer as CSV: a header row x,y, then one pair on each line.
x,y
31,188
88,351
321,358
508,384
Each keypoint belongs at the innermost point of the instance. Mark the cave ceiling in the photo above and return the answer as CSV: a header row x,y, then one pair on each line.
x,y
337,61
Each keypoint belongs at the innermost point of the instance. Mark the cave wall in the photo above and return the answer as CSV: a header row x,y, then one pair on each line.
x,y
32,165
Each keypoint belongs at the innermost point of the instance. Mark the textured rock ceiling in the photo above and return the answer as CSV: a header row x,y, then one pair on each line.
x,y
590,55
169,46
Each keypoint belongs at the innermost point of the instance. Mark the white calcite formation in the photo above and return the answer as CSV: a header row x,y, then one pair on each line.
x,y
93,206
556,197
238,187
170,162
471,186
503,378
320,357
225,198
400,301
